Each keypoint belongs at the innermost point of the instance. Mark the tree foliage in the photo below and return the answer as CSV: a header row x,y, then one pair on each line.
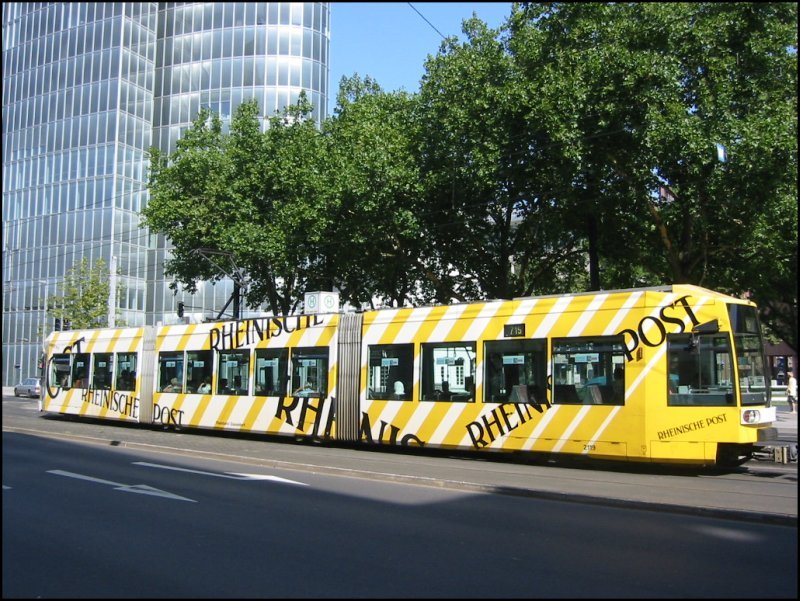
x,y
374,193
490,176
655,90
283,203
574,148
249,195
82,297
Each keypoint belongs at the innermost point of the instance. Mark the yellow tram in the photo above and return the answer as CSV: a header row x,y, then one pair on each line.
x,y
662,374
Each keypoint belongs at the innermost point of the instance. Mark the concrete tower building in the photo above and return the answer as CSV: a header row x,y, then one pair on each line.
x,y
88,88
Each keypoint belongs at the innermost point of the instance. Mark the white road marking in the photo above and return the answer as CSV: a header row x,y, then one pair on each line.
x,y
143,489
230,475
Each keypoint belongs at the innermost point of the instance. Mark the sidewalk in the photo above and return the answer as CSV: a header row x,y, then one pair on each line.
x,y
786,424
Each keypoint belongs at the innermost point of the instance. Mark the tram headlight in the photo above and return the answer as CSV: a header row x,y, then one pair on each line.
x,y
751,416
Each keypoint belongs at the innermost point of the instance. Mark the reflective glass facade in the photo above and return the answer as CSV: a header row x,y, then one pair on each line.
x,y
87,89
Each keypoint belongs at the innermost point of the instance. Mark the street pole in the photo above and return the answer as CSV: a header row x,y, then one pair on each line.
x,y
44,325
40,352
112,297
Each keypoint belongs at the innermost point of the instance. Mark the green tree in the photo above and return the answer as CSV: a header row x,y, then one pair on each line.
x,y
186,189
283,242
531,161
250,196
82,297
493,181
374,192
649,91
295,208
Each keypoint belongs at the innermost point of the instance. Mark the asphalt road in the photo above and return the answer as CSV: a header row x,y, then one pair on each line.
x,y
759,491
98,521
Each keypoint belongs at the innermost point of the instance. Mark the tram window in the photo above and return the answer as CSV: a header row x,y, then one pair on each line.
x,y
170,367
126,371
448,371
391,372
753,379
589,371
198,369
60,372
699,370
233,372
310,372
514,371
750,357
80,370
272,372
744,319
103,371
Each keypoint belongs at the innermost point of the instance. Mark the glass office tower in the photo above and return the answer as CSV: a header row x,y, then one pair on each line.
x,y
87,89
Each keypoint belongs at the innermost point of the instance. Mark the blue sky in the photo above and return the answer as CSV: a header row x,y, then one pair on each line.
x,y
390,41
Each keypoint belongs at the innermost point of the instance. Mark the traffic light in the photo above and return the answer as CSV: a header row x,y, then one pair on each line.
x,y
180,309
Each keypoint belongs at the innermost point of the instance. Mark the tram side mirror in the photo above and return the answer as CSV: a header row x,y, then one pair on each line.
x,y
709,327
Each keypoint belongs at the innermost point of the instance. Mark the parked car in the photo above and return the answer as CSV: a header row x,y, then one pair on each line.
x,y
31,387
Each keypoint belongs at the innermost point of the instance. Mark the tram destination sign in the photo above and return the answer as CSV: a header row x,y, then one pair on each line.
x,y
514,330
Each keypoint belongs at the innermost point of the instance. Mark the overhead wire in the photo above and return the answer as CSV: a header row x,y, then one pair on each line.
x,y
426,20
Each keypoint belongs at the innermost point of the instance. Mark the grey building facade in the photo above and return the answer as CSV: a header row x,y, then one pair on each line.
x,y
88,88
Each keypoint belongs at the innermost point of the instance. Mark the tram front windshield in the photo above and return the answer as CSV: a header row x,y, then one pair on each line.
x,y
705,369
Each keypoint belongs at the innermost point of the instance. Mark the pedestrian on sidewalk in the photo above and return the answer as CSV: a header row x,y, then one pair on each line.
x,y
791,393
